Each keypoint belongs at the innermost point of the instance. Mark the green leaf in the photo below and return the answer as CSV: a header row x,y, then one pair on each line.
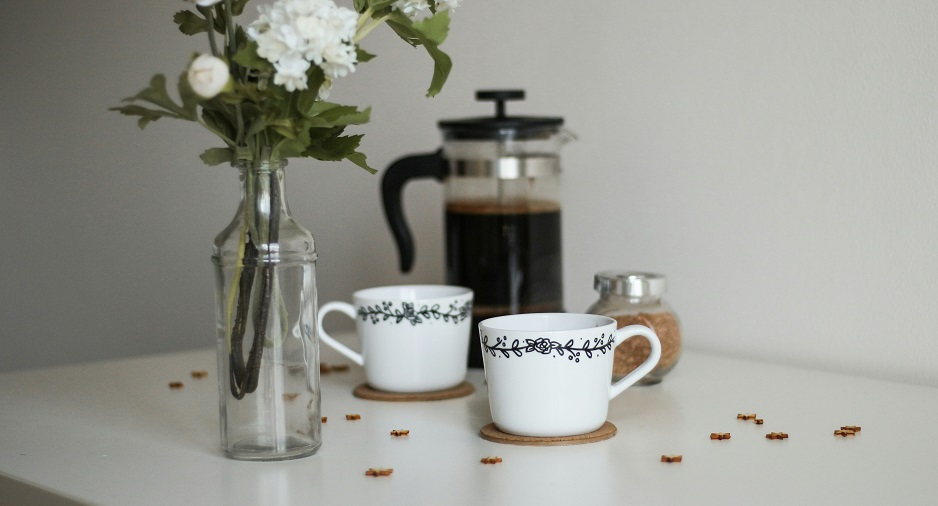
x,y
217,156
318,134
241,37
190,23
243,93
328,114
335,148
255,127
218,120
306,101
442,65
375,5
285,127
403,27
291,148
363,56
433,29
237,7
247,57
430,34
315,78
361,160
218,22
156,94
146,115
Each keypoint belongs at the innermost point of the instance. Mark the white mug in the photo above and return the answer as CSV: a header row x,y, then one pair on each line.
x,y
414,338
550,374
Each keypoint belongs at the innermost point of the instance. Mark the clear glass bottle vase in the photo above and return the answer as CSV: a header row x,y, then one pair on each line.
x,y
268,350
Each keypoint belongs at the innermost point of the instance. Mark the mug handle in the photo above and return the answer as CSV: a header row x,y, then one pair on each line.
x,y
348,310
621,336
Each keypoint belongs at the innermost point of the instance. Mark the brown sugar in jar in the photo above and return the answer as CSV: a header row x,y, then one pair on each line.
x,y
635,298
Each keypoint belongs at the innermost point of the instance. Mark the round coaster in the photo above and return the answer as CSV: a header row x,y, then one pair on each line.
x,y
364,391
490,432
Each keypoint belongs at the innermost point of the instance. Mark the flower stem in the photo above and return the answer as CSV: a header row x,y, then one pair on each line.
x,y
244,378
364,17
224,137
210,25
233,292
368,27
231,35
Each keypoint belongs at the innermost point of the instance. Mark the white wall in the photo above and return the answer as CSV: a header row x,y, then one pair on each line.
x,y
777,160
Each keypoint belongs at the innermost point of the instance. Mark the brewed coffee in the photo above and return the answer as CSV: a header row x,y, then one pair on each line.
x,y
509,255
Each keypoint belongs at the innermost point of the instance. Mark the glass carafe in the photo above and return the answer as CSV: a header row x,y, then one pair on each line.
x,y
502,210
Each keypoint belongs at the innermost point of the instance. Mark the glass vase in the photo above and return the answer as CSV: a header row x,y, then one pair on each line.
x,y
268,350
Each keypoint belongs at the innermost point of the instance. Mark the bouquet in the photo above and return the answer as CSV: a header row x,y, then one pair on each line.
x,y
262,89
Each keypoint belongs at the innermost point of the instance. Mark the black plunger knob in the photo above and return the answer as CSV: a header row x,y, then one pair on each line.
x,y
500,97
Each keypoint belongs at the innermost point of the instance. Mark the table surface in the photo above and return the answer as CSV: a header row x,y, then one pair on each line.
x,y
114,433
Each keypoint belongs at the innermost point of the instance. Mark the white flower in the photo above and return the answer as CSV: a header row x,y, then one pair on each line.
x,y
344,23
309,27
292,34
206,3
412,7
269,46
291,71
208,75
339,60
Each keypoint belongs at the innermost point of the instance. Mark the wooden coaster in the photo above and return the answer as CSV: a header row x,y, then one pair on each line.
x,y
364,391
490,432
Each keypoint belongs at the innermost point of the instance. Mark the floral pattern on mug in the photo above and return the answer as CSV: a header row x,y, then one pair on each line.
x,y
545,346
409,312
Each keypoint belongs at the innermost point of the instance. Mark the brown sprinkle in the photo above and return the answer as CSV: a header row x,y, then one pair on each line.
x,y
379,472
776,435
175,385
400,432
854,428
353,417
199,374
719,435
844,432
326,368
325,419
759,421
290,397
491,460
672,458
746,416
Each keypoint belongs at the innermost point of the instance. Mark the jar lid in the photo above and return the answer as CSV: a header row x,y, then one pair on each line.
x,y
501,126
630,283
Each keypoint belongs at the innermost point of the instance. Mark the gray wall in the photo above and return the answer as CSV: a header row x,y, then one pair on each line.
x,y
775,159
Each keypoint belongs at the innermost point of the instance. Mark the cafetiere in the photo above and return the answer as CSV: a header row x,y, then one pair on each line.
x,y
501,178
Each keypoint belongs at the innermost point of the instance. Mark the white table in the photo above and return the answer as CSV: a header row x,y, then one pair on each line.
x,y
115,433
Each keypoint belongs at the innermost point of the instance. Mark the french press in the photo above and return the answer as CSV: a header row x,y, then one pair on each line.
x,y
501,177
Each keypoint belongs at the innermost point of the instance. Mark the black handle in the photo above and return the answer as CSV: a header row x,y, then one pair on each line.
x,y
392,187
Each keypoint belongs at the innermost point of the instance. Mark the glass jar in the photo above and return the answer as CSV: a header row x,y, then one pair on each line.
x,y
635,298
268,349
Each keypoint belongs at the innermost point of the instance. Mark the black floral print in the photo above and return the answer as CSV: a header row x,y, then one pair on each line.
x,y
411,313
545,346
